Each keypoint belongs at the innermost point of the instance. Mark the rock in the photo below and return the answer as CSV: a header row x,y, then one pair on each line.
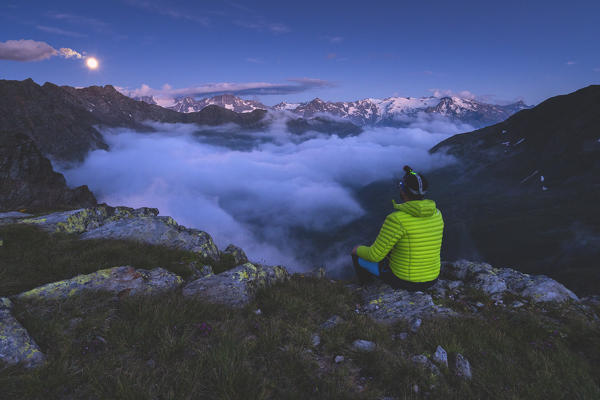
x,y
198,272
338,359
316,340
363,345
415,325
258,311
479,304
424,362
27,179
142,225
151,363
16,346
331,322
237,254
453,285
415,389
440,356
488,283
14,214
401,336
384,304
462,270
236,286
162,231
517,304
496,281
116,279
544,289
462,367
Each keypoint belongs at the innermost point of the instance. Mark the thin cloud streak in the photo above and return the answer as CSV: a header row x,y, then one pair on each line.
x,y
58,31
161,9
297,85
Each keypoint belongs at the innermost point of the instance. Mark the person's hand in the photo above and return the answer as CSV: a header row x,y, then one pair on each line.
x,y
354,250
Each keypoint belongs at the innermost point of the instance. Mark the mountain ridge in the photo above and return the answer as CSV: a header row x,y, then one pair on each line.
x,y
390,111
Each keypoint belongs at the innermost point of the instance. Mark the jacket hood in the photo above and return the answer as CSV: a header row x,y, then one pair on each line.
x,y
417,208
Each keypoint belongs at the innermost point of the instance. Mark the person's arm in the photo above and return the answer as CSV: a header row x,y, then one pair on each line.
x,y
390,233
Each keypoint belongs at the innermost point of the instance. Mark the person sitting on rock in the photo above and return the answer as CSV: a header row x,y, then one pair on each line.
x,y
406,253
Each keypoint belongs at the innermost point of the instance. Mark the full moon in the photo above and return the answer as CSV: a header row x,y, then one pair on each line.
x,y
92,63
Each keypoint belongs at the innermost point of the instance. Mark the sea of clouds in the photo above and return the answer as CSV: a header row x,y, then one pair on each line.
x,y
256,189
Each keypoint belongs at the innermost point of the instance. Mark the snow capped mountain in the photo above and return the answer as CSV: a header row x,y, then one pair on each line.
x,y
391,111
398,111
228,101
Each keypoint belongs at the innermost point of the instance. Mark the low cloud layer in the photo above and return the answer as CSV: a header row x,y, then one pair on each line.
x,y
258,198
31,50
295,85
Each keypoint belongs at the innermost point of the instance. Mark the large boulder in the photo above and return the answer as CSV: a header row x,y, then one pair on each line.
x,y
385,304
117,279
236,286
482,276
16,346
142,225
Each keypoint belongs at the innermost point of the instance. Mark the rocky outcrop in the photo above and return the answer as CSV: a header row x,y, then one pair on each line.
x,y
482,276
16,346
236,286
384,304
27,180
142,225
123,279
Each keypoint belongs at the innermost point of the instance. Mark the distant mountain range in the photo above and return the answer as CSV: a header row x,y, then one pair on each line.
x,y
392,111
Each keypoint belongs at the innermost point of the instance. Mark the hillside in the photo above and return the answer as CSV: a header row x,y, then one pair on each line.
x,y
64,121
103,308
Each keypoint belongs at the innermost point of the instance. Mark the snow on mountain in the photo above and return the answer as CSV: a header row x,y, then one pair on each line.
x,y
228,101
391,111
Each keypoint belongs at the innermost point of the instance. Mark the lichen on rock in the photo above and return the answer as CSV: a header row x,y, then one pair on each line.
x,y
141,224
117,279
481,276
236,286
16,346
385,304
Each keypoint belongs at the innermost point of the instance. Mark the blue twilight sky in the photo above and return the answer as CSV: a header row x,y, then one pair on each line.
x,y
294,51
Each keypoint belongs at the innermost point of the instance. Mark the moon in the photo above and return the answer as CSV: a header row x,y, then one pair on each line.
x,y
91,63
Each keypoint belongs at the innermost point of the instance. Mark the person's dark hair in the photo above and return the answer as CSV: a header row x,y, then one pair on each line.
x,y
414,185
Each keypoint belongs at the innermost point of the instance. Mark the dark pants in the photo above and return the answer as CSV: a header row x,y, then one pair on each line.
x,y
387,276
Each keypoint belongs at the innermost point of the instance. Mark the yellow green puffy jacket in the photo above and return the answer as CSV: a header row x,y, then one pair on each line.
x,y
413,237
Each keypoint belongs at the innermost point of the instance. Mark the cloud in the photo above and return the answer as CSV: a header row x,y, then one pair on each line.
x,y
296,85
446,92
331,56
571,62
80,20
95,24
260,24
31,50
334,39
254,60
163,9
261,198
69,53
59,31
26,50
597,69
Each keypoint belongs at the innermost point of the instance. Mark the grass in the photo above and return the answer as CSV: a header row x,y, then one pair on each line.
x,y
31,257
172,347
